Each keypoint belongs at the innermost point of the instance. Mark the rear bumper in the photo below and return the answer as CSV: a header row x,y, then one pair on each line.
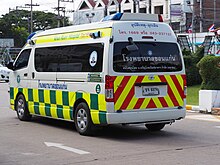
x,y
145,116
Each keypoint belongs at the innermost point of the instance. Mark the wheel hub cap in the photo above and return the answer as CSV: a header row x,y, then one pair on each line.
x,y
20,107
82,119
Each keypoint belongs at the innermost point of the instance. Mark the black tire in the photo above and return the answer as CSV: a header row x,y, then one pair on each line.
x,y
82,119
21,108
6,81
155,127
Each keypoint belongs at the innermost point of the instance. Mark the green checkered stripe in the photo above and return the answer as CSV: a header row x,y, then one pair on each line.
x,y
59,104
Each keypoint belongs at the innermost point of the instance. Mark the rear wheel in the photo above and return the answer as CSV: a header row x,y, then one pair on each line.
x,y
21,108
82,119
155,127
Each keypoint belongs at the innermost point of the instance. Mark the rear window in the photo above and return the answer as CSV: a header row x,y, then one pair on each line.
x,y
146,57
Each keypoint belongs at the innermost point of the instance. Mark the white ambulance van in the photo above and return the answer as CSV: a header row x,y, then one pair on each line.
x,y
126,69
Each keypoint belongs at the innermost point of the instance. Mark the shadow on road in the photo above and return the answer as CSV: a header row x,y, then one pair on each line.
x,y
113,132
67,125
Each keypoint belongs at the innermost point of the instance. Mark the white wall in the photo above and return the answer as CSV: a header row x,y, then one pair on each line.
x,y
81,18
166,8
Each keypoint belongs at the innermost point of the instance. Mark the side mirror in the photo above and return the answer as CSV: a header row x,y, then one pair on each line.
x,y
10,65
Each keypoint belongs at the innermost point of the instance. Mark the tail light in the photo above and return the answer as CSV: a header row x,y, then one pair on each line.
x,y
185,85
109,89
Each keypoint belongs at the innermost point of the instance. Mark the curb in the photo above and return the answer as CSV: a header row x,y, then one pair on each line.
x,y
192,107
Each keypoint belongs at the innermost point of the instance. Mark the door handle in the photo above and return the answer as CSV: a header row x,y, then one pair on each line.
x,y
25,74
33,75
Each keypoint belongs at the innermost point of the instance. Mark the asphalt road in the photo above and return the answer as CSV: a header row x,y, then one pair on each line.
x,y
192,141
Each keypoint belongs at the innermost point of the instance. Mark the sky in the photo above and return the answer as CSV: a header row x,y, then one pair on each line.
x,y
45,5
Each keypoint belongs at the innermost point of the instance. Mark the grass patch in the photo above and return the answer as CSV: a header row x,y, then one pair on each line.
x,y
192,97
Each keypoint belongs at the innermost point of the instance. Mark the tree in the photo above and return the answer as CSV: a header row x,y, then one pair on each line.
x,y
192,72
209,69
16,24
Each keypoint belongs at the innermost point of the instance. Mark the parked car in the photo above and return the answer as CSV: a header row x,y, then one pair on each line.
x,y
4,73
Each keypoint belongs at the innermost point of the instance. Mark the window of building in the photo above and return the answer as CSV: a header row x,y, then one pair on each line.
x,y
99,5
74,58
112,12
127,1
84,6
143,10
127,11
113,3
158,9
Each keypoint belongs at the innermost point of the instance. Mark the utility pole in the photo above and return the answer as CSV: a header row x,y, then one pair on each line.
x,y
192,8
134,6
150,6
170,13
59,9
58,13
31,5
193,26
64,15
214,11
201,17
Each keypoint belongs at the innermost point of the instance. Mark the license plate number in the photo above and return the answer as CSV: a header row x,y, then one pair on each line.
x,y
150,91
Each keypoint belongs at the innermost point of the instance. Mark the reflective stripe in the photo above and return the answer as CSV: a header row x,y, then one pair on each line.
x,y
59,104
35,95
120,104
42,109
66,113
175,92
102,103
95,116
59,98
47,96
80,35
124,92
31,107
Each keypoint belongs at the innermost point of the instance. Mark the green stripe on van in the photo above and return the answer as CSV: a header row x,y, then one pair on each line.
x,y
36,108
94,101
47,110
102,118
78,95
41,95
60,111
53,97
11,93
65,98
30,95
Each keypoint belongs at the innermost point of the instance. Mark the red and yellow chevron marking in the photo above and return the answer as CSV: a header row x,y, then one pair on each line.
x,y
124,92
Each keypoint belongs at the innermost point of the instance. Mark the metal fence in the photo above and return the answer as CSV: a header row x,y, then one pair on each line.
x,y
8,54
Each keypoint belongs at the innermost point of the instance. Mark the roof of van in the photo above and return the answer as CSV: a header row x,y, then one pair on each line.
x,y
109,22
72,28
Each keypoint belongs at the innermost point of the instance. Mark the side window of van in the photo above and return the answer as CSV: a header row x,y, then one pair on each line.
x,y
23,59
74,58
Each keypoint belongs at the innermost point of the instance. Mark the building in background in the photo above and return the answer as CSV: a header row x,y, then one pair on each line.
x,y
93,11
206,13
180,14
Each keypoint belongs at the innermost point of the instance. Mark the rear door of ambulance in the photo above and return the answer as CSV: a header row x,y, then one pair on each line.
x,y
147,68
